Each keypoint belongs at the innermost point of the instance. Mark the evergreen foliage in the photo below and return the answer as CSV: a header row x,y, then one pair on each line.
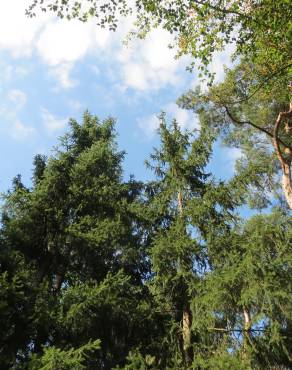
x,y
97,272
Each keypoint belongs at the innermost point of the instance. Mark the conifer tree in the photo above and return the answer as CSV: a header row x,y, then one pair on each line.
x,y
101,273
190,209
246,296
77,235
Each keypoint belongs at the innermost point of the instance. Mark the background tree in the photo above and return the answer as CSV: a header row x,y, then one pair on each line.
x,y
245,297
247,121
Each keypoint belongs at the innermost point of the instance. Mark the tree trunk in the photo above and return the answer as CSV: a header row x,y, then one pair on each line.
x,y
57,282
186,334
246,333
284,158
286,184
186,316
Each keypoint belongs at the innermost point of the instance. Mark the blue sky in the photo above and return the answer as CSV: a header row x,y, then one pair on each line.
x,y
53,69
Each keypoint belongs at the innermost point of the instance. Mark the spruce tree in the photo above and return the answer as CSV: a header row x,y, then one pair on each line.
x,y
77,235
190,208
246,296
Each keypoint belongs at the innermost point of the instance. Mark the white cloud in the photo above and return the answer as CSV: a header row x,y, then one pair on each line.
x,y
217,66
184,118
11,105
103,38
11,125
20,131
51,122
220,60
12,101
17,32
75,104
231,155
145,65
149,125
9,72
64,42
150,64
134,76
17,98
62,74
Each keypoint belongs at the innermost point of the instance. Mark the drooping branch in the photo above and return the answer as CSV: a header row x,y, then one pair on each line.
x,y
268,133
234,119
285,160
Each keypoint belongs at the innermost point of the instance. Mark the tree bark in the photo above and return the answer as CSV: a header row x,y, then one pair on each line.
x,y
284,159
286,184
246,332
186,333
186,316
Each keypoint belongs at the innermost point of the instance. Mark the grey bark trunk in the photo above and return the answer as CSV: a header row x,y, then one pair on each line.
x,y
284,157
286,184
246,333
186,317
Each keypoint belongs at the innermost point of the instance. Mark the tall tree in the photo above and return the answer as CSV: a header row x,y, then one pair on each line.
x,y
96,272
190,210
78,237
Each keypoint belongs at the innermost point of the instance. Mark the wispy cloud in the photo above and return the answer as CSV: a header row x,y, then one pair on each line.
x,y
17,32
17,98
232,155
51,122
21,132
149,125
145,65
11,107
185,119
62,73
150,64
64,42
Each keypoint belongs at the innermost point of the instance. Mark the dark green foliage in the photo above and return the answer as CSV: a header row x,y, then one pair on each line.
x,y
56,359
65,243
101,273
192,210
252,274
